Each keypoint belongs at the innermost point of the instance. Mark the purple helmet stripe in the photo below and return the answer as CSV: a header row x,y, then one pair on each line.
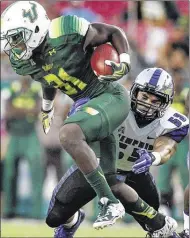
x,y
156,75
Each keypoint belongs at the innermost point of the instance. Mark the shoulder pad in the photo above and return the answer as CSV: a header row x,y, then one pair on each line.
x,y
173,120
66,25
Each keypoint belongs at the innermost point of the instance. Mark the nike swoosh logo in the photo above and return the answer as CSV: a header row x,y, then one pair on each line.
x,y
150,138
150,213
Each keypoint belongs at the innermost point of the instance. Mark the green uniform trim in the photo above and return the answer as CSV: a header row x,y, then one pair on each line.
x,y
66,25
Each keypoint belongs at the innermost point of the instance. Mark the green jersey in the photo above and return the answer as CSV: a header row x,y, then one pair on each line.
x,y
61,61
22,100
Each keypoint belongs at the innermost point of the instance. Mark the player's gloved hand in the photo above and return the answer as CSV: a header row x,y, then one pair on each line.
x,y
77,105
47,118
119,70
144,162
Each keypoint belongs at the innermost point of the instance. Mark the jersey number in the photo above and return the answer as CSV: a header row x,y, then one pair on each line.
x,y
177,119
31,13
134,156
63,81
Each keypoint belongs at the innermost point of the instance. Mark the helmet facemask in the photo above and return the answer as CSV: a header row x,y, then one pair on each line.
x,y
24,26
146,110
17,43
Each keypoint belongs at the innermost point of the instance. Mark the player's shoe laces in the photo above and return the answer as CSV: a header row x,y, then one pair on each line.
x,y
109,213
167,230
62,232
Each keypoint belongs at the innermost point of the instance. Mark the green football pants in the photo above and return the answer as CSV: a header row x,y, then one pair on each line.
x,y
99,117
27,147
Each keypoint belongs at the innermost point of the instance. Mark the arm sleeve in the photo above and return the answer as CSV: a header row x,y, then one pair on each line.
x,y
179,134
67,25
48,93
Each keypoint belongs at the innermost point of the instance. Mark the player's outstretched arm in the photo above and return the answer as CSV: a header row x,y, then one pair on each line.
x,y
100,33
47,107
164,148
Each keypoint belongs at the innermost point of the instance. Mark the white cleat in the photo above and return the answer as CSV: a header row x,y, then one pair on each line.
x,y
109,213
167,230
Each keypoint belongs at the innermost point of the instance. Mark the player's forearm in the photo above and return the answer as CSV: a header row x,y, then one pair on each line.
x,y
163,154
48,97
163,150
119,41
100,33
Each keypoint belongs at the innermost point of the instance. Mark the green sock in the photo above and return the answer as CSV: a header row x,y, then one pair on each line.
x,y
98,182
147,214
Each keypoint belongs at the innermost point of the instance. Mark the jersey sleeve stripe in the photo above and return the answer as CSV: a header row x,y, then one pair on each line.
x,y
62,27
179,134
55,29
66,25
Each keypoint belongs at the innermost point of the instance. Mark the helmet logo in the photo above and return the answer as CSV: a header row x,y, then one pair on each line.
x,y
31,13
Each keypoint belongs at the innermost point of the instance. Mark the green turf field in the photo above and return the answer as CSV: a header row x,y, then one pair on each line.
x,y
23,228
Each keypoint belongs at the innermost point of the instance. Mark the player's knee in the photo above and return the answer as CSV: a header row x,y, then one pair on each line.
x,y
70,136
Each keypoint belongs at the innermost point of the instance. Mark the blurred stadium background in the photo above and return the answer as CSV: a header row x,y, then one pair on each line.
x,y
31,164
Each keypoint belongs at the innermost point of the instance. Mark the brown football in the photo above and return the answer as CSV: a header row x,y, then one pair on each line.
x,y
100,54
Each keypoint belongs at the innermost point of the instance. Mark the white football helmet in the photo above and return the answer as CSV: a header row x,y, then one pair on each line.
x,y
24,25
155,81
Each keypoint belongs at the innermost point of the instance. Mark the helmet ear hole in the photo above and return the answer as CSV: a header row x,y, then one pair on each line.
x,y
37,29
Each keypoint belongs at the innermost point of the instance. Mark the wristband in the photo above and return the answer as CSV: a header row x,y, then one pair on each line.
x,y
157,157
124,57
47,104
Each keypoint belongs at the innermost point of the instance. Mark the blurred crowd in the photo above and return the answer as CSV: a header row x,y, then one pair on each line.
x,y
158,34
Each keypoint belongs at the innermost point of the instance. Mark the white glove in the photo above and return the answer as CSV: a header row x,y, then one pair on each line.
x,y
47,118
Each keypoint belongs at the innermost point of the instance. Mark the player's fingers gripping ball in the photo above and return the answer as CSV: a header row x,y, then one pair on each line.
x,y
108,65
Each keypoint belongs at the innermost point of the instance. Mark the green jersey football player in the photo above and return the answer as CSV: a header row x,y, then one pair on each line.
x,y
57,54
